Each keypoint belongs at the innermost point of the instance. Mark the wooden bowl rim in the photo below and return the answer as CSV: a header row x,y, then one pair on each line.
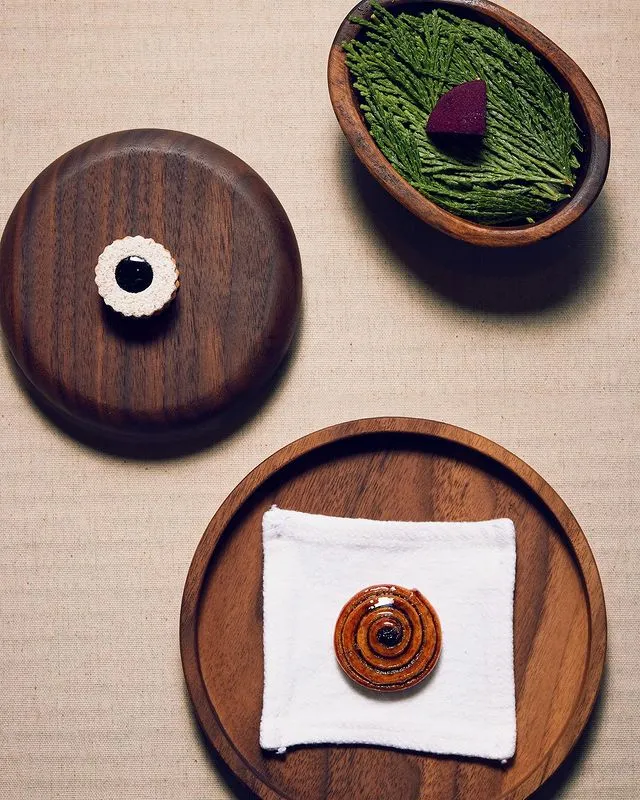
x,y
579,86
204,708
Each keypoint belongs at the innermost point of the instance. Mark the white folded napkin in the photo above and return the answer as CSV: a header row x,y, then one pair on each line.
x,y
314,564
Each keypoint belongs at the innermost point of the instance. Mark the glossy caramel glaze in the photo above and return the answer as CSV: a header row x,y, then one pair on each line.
x,y
388,638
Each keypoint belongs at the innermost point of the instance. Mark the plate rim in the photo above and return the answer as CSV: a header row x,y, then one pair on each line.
x,y
204,710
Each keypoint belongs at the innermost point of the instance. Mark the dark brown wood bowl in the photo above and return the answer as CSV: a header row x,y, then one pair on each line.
x,y
586,106
219,343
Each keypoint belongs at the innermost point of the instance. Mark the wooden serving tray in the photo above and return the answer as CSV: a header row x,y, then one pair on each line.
x,y
405,469
233,317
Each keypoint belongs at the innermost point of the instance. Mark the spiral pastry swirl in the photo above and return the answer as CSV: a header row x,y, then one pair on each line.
x,y
388,638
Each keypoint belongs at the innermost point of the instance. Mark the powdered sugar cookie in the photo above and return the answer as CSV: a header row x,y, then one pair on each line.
x,y
136,276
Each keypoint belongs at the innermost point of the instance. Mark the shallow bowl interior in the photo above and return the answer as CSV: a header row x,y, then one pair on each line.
x,y
585,102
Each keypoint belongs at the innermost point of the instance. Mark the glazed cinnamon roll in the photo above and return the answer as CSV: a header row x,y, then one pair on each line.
x,y
388,638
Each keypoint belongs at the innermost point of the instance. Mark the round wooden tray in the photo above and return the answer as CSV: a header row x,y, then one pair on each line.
x,y
233,317
407,469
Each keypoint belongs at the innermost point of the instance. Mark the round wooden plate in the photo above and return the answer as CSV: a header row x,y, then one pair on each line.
x,y
404,469
233,317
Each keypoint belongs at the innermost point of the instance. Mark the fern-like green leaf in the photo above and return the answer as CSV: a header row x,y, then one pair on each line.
x,y
528,159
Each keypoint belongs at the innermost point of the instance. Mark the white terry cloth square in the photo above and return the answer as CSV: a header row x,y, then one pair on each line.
x,y
314,564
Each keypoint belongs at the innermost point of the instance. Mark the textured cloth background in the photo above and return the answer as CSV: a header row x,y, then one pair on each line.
x,y
536,349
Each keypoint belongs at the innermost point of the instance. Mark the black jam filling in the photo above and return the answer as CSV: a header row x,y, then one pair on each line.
x,y
389,637
134,274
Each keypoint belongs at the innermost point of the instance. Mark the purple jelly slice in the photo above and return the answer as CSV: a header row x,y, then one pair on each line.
x,y
461,110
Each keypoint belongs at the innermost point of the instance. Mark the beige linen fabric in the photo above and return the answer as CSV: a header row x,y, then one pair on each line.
x,y
537,350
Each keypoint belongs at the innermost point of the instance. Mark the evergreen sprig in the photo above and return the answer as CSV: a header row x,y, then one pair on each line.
x,y
526,162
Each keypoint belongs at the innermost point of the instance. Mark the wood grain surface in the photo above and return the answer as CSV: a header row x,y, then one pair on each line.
x,y
586,105
233,317
404,469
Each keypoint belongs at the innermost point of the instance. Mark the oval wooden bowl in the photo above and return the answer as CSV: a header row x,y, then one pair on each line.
x,y
405,469
586,106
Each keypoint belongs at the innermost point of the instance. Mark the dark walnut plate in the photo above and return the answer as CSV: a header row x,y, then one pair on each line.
x,y
233,317
406,469
586,105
